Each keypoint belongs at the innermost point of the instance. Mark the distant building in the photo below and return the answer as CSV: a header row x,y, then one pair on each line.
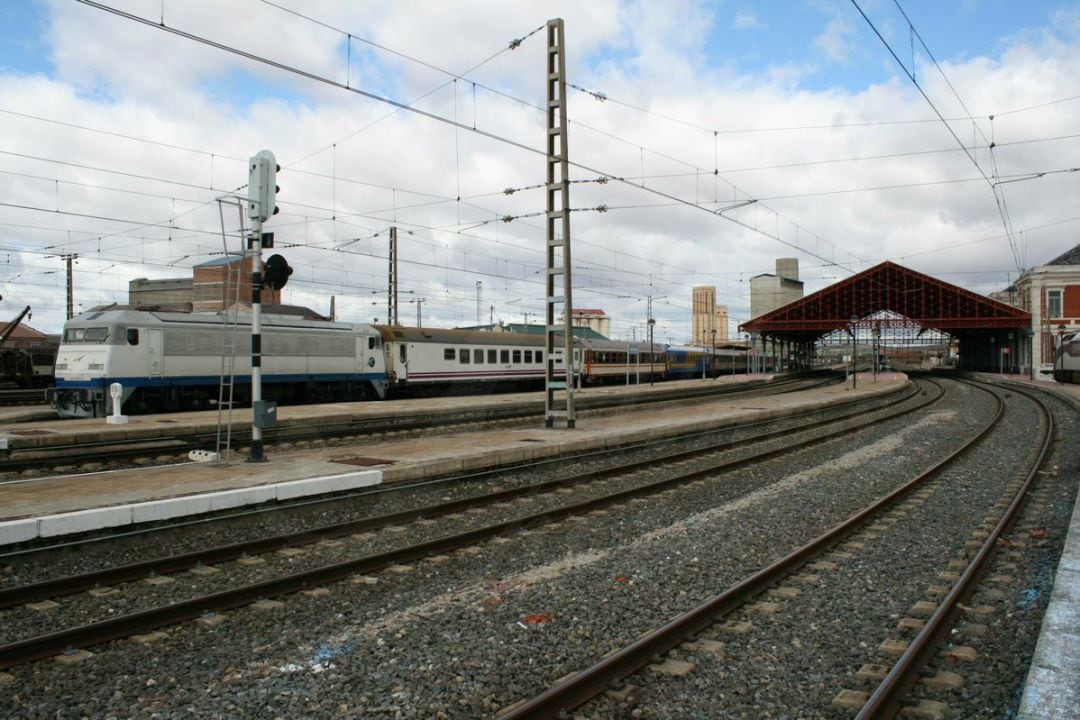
x,y
216,284
708,317
592,318
768,292
173,293
24,337
1051,293
225,281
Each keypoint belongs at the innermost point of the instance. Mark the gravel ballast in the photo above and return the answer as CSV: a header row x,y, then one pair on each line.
x,y
465,636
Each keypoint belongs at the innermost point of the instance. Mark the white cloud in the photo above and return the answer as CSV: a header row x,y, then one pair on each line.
x,y
835,41
746,20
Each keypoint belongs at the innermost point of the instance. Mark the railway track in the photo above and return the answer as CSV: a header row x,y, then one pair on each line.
x,y
610,487
16,398
119,452
890,695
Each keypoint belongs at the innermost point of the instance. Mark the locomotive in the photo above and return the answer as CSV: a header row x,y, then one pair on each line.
x,y
168,361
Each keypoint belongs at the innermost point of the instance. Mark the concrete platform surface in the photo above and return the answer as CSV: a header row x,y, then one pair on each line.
x,y
1052,688
113,494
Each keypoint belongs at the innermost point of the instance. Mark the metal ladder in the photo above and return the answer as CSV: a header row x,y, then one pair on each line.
x,y
231,316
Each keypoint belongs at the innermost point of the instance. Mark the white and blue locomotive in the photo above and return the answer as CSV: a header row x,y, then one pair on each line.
x,y
174,361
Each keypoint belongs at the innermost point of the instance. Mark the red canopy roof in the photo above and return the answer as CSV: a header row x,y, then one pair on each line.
x,y
891,288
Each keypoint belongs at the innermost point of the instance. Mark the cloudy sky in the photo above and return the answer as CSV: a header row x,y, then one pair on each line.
x,y
729,133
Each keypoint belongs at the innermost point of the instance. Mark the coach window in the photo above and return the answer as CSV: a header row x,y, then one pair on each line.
x,y
448,354
539,356
478,357
504,357
463,356
517,357
132,336
528,357
493,357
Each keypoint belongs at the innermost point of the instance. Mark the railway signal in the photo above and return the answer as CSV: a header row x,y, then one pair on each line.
x,y
262,185
262,194
276,272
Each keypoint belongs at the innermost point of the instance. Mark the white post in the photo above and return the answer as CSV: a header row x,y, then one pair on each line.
x,y
116,390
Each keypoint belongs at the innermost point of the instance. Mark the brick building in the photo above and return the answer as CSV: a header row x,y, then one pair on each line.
x,y
1051,293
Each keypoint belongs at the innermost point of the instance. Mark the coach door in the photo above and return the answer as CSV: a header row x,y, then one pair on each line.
x,y
153,349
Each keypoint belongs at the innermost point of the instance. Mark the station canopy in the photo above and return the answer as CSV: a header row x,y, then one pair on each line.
x,y
889,296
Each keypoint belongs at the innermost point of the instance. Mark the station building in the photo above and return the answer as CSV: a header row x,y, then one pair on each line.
x,y
1051,293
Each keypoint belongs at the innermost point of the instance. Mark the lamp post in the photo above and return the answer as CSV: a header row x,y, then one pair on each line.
x,y
854,358
877,348
1060,347
652,322
712,358
1031,353
1007,350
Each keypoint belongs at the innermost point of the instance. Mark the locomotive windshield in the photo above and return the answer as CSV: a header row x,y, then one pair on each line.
x,y
86,335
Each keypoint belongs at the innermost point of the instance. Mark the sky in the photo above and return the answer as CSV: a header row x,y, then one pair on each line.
x,y
707,139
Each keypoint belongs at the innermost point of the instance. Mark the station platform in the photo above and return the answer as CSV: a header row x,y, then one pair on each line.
x,y
54,506
1052,688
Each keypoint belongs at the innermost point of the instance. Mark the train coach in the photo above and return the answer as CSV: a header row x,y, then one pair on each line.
x,y
612,362
433,361
1067,367
688,362
28,367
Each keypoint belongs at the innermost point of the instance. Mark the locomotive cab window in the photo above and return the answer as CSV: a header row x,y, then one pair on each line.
x,y
371,343
133,336
88,335
403,354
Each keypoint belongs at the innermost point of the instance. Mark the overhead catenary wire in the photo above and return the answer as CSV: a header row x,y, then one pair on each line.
x,y
999,197
481,132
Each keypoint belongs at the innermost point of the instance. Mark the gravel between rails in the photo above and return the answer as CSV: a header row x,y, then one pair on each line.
x,y
463,637
793,663
83,608
300,517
